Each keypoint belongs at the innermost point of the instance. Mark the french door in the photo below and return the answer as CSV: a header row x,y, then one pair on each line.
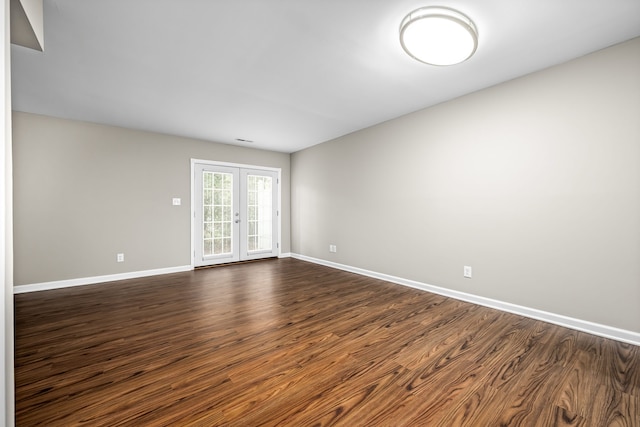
x,y
235,214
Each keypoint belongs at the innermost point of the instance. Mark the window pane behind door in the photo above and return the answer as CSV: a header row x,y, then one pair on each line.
x,y
217,195
259,209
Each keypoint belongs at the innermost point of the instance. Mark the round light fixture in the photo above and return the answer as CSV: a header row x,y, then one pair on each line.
x,y
438,35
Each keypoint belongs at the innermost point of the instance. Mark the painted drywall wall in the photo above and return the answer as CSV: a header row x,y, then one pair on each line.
x,y
84,192
534,183
27,23
7,393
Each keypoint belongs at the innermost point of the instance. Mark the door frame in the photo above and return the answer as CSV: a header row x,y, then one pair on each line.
x,y
278,172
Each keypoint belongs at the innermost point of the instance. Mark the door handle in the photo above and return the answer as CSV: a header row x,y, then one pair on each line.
x,y
237,217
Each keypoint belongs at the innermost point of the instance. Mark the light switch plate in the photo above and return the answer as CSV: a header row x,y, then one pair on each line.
x,y
467,272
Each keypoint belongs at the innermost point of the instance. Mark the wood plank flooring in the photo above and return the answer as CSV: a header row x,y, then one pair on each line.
x,y
289,343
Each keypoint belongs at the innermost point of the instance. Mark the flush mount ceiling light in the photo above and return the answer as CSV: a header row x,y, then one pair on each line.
x,y
438,35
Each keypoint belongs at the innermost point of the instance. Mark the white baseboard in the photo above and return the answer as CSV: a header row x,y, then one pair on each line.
x,y
285,255
557,319
20,289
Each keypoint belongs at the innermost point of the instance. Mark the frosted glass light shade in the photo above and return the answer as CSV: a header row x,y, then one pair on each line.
x,y
438,35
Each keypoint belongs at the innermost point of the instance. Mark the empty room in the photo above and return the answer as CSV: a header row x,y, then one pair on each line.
x,y
352,213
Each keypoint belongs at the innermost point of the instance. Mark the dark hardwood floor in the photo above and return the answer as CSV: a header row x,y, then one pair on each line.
x,y
285,342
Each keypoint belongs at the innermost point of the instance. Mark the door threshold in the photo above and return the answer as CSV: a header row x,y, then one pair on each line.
x,y
225,264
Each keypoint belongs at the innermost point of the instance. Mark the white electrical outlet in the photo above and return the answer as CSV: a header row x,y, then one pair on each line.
x,y
120,257
176,201
333,248
467,271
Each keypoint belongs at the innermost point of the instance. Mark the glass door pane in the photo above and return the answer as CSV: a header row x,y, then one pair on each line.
x,y
217,207
260,206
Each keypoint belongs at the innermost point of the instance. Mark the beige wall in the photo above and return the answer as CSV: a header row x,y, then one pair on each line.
x,y
84,192
7,395
535,183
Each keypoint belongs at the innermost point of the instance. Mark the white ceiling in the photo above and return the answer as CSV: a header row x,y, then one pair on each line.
x,y
286,74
